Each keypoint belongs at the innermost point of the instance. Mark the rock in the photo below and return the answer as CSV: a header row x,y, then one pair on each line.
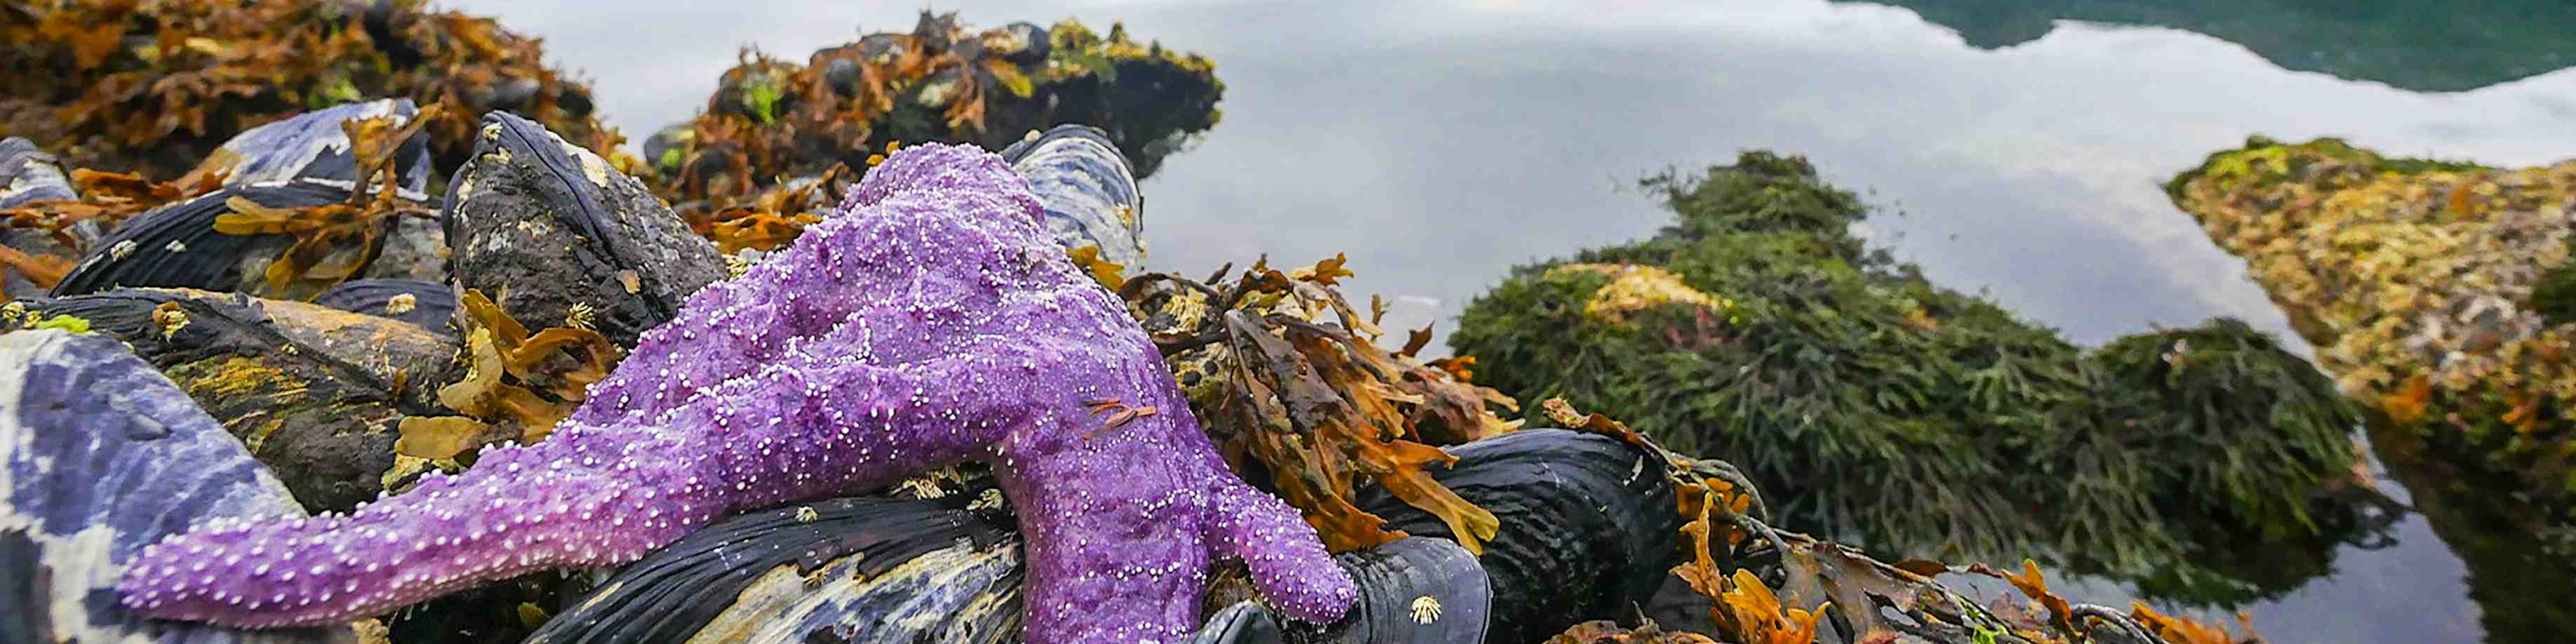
x,y
558,238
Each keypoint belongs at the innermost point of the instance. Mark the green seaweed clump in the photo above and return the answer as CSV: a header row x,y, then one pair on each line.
x,y
1887,411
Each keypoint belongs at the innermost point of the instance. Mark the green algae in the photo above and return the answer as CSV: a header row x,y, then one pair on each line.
x,y
1921,421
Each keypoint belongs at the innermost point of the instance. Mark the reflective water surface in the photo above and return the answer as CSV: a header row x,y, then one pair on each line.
x,y
2010,147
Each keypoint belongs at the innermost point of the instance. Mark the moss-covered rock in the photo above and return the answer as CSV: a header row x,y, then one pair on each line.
x,y
1878,407
2438,293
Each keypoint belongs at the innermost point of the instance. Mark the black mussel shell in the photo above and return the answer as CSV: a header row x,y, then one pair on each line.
x,y
558,238
512,94
1415,589
1244,622
29,174
312,146
1588,530
1588,526
177,246
843,75
104,457
858,569
420,302
315,393
1088,190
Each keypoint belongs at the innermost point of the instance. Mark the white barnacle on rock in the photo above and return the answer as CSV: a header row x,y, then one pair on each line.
x,y
1426,609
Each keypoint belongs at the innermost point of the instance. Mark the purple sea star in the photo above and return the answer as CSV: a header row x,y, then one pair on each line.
x,y
931,321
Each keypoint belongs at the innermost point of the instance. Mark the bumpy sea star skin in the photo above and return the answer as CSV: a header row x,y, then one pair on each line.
x,y
933,321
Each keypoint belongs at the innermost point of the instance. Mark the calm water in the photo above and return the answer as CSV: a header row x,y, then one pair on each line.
x,y
1441,144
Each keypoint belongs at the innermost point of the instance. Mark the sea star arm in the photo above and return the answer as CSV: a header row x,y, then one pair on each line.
x,y
934,324
588,496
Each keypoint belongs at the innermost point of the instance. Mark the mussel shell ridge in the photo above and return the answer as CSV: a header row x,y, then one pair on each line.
x,y
1088,190
424,303
177,246
857,569
1415,589
28,174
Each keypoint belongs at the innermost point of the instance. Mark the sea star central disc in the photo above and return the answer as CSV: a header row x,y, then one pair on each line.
x,y
931,321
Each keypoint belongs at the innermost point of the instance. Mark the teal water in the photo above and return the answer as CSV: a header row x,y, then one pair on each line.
x,y
2012,146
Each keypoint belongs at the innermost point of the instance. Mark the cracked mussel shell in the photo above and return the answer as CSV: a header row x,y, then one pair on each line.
x,y
557,237
856,569
315,393
104,457
1588,530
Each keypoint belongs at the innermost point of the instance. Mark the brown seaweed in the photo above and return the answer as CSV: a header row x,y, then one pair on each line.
x,y
152,87
941,82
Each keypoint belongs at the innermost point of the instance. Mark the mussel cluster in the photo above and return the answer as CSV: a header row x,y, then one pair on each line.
x,y
355,368
1883,409
306,292
1591,542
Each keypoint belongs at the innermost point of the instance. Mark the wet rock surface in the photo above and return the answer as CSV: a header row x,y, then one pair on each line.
x,y
558,238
